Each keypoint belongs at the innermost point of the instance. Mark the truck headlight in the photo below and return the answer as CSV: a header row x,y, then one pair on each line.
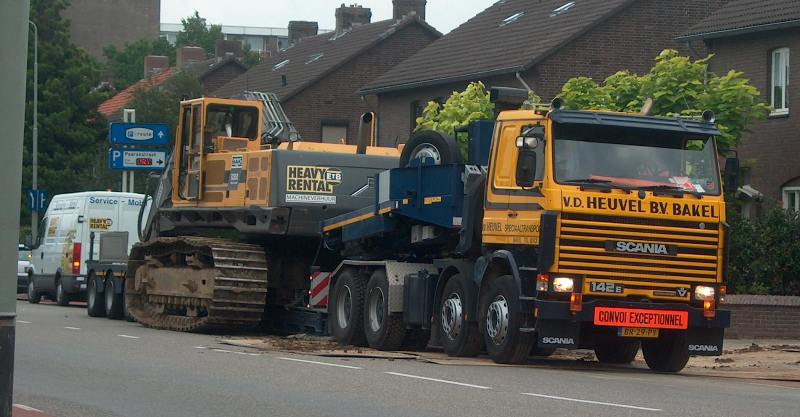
x,y
563,284
703,292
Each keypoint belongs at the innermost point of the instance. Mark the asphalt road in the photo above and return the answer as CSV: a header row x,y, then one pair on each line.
x,y
68,364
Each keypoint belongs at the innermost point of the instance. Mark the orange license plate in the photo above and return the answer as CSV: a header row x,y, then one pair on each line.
x,y
636,317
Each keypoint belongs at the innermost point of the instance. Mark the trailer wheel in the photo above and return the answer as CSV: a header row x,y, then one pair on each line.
x,y
438,146
459,337
33,295
619,352
346,309
384,330
95,305
62,298
500,321
667,354
113,300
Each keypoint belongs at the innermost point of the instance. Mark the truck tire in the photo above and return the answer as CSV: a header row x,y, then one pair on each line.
x,y
346,309
500,321
383,330
33,295
113,301
459,337
95,304
617,352
667,354
439,146
62,298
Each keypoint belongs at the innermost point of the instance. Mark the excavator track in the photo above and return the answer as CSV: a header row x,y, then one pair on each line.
x,y
194,284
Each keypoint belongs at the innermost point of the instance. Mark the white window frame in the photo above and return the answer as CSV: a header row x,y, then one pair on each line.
x,y
780,59
791,192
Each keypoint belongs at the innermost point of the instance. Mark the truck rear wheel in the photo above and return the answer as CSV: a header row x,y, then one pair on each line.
x,y
346,309
384,330
667,354
500,321
95,305
113,300
459,337
619,352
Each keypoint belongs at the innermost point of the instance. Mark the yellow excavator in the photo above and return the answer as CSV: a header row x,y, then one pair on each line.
x,y
233,223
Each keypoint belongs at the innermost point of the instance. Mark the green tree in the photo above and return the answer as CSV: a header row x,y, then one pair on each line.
x,y
196,32
69,126
677,86
127,63
160,104
249,56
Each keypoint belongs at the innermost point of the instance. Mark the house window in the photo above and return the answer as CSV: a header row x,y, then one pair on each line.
x,y
334,131
791,198
780,81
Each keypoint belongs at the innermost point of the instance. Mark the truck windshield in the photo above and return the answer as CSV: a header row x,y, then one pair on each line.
x,y
635,159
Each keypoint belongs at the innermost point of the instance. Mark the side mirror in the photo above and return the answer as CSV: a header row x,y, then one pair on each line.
x,y
527,143
526,168
732,174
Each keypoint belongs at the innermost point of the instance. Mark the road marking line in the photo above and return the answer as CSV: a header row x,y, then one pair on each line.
x,y
321,363
72,328
553,397
26,408
200,347
23,321
438,380
128,336
229,351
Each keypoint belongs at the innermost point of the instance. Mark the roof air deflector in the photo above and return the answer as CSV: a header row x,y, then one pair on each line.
x,y
511,19
280,65
563,9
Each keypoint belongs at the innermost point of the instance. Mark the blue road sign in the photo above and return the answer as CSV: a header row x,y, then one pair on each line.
x,y
138,134
136,159
37,200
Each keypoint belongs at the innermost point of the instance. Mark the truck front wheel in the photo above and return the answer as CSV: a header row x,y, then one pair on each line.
x,y
94,302
617,352
500,321
459,337
667,354
384,330
346,309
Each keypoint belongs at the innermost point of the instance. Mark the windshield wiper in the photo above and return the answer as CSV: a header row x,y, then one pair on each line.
x,y
669,187
596,183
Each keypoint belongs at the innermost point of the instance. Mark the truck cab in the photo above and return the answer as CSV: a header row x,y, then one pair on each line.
x,y
582,229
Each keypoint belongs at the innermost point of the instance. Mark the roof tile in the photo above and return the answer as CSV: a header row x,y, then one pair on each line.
x,y
111,107
740,15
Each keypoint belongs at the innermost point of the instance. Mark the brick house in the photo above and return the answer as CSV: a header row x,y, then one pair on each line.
x,y
544,43
318,78
765,46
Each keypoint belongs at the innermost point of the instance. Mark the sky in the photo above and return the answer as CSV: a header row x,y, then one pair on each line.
x,y
444,15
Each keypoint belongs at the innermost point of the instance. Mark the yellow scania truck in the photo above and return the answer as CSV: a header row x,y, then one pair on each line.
x,y
561,229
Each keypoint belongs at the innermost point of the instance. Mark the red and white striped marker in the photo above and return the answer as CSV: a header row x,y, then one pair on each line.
x,y
319,289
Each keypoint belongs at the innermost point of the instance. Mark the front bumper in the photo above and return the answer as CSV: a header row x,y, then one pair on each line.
x,y
559,310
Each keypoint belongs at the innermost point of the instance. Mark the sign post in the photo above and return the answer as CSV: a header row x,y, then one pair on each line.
x,y
135,147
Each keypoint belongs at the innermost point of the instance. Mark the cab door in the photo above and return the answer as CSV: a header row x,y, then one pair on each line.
x,y
190,166
512,212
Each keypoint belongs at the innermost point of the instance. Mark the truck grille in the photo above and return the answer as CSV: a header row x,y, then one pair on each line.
x,y
586,247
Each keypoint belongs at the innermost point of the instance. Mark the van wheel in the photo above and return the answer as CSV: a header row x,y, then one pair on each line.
x,y
384,330
95,304
617,352
459,337
346,309
33,296
500,321
62,298
667,354
113,301
438,146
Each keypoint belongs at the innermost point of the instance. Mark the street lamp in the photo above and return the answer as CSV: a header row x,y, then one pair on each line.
x,y
35,130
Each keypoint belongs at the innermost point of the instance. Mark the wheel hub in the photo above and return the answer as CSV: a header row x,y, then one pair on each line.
x,y
452,316
344,304
375,304
426,150
497,320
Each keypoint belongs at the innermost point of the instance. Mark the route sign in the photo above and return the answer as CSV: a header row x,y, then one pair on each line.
x,y
136,159
138,134
37,200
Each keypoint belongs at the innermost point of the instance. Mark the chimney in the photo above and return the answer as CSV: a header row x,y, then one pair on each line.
x,y
299,29
154,64
188,54
224,48
406,7
352,15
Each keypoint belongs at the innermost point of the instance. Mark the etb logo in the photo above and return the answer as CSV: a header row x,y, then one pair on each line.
x,y
139,133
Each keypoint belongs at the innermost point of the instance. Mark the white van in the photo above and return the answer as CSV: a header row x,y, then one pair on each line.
x,y
62,246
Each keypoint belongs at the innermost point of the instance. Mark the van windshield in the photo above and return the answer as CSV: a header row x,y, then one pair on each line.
x,y
635,158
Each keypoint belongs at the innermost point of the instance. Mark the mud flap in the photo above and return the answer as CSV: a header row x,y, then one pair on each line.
x,y
557,334
704,341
